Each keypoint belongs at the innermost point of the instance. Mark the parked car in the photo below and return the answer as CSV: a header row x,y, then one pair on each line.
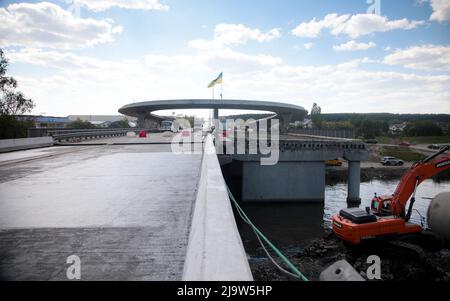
x,y
434,146
335,162
392,161
371,141
405,143
186,133
143,134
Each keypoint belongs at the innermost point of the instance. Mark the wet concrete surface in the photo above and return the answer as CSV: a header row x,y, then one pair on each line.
x,y
124,210
33,154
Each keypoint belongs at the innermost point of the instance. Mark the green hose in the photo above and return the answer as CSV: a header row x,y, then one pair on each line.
x,y
291,266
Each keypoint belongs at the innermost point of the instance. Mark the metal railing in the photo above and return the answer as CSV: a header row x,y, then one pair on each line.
x,y
64,135
45,132
347,134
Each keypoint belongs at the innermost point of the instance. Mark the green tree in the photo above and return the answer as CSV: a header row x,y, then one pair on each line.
x,y
121,124
12,102
423,128
316,116
81,125
368,129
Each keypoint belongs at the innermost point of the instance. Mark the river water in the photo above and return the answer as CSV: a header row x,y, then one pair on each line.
x,y
290,225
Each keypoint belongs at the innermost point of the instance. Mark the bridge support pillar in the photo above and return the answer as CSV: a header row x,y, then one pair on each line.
x,y
141,120
354,182
285,121
216,114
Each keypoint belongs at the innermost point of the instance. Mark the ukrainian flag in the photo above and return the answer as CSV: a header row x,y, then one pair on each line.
x,y
218,80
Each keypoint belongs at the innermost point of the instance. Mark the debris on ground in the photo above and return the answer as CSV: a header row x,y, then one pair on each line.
x,y
318,254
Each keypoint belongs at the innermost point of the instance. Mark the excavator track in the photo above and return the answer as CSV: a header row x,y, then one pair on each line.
x,y
408,250
396,247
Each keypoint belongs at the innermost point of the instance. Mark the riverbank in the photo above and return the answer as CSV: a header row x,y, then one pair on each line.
x,y
371,170
432,265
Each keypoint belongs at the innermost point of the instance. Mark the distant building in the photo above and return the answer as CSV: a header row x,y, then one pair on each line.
x,y
305,124
99,118
45,121
397,128
101,124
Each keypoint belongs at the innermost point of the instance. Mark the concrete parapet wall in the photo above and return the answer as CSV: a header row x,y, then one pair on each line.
x,y
215,250
10,145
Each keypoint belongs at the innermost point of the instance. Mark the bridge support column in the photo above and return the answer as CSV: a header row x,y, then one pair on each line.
x,y
354,182
141,120
285,120
216,114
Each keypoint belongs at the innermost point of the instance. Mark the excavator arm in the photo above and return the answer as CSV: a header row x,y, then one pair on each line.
x,y
418,173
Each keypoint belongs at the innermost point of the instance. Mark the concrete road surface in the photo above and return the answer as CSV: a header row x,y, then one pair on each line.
x,y
125,211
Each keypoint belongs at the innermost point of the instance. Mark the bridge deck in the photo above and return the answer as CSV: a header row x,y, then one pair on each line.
x,y
124,210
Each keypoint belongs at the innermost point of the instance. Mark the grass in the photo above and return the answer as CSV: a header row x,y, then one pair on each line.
x,y
416,140
403,153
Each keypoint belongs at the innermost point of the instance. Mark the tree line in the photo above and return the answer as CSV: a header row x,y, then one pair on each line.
x,y
372,125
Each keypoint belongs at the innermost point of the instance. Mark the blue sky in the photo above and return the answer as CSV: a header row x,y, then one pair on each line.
x,y
332,52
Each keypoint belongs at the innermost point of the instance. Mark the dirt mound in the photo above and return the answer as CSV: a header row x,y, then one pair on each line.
x,y
318,254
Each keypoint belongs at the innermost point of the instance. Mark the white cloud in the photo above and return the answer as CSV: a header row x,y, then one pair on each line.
x,y
441,10
308,45
86,85
313,28
353,26
425,57
48,25
353,46
101,5
234,34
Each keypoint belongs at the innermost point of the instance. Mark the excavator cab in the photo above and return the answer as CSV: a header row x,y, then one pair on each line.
x,y
381,205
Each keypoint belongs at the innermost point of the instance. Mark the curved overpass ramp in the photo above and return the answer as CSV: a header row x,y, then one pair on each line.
x,y
286,112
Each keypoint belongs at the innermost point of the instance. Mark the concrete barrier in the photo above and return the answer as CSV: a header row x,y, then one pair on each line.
x,y
215,250
10,145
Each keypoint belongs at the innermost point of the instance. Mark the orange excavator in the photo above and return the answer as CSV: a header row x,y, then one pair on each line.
x,y
387,215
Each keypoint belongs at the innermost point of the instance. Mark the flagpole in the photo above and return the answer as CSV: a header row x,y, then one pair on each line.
x,y
212,110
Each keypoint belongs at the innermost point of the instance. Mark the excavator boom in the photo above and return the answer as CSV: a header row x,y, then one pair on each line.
x,y
418,173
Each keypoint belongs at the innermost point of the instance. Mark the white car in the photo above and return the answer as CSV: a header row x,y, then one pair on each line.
x,y
391,161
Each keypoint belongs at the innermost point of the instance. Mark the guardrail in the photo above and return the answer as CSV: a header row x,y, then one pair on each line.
x,y
45,132
61,135
347,134
89,135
